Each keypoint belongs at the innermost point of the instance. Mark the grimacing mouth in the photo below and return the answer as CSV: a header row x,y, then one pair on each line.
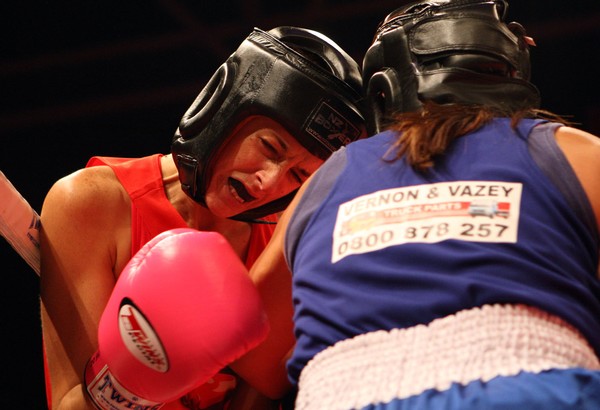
x,y
240,190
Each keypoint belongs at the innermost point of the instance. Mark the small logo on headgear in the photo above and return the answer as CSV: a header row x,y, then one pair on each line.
x,y
331,128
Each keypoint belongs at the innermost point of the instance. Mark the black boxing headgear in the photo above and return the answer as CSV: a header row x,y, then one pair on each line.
x,y
447,51
298,77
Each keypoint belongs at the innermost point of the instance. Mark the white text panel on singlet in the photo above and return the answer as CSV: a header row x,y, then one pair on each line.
x,y
477,211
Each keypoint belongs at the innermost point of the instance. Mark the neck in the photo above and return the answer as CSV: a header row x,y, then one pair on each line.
x,y
199,217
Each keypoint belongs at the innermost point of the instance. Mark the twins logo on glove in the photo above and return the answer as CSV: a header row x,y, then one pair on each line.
x,y
140,338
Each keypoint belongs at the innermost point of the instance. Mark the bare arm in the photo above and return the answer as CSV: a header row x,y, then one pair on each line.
x,y
264,367
582,150
81,217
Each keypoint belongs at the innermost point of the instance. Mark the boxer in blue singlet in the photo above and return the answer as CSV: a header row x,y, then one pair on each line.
x,y
451,260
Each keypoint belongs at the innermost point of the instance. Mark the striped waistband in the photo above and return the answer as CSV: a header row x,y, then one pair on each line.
x,y
475,344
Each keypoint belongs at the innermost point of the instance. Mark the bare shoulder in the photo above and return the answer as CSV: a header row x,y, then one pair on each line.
x,y
574,136
86,183
87,211
87,193
582,150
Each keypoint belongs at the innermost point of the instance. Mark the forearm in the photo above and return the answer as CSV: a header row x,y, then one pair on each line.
x,y
265,366
75,399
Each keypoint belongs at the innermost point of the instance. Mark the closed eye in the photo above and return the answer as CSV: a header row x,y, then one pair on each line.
x,y
274,152
277,150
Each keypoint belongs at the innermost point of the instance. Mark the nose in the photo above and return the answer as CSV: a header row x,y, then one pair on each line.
x,y
271,179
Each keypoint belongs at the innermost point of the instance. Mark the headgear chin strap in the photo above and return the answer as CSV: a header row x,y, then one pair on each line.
x,y
298,77
447,51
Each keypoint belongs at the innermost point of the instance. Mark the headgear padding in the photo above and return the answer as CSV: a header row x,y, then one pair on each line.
x,y
274,74
447,51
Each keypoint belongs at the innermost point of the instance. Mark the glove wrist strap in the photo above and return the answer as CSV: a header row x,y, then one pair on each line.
x,y
107,393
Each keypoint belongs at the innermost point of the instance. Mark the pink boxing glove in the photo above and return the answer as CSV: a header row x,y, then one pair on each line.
x,y
182,309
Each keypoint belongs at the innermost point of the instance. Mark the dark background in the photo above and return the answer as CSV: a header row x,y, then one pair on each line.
x,y
83,78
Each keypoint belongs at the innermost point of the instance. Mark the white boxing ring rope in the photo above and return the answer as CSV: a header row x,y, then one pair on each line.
x,y
19,223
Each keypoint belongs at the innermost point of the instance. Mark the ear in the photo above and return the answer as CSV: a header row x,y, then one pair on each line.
x,y
384,96
208,101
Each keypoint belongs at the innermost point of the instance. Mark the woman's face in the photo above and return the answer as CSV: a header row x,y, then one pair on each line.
x,y
258,164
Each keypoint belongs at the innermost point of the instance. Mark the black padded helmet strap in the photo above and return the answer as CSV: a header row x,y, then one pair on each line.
x,y
295,76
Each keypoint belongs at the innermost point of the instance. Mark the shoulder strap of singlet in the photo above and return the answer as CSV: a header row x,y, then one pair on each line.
x,y
151,210
142,180
550,159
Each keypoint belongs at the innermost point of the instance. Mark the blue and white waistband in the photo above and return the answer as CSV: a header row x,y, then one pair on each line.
x,y
475,344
